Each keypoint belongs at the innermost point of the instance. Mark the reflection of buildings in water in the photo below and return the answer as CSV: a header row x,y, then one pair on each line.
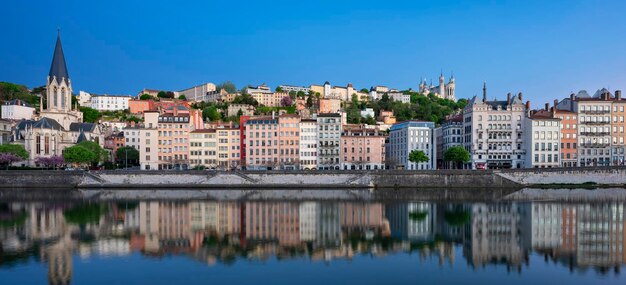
x,y
446,231
367,218
59,257
215,217
600,234
272,221
165,225
328,225
495,235
542,225
413,221
308,221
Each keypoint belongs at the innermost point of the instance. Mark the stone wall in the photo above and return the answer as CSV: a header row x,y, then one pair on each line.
x,y
611,176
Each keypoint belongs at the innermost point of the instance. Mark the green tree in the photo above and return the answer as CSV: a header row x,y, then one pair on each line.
x,y
15,149
127,153
211,113
145,97
369,120
457,154
227,86
279,89
90,115
85,214
418,156
182,97
245,98
309,101
98,151
364,90
78,155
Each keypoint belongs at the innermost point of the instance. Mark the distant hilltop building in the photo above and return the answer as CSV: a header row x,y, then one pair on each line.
x,y
443,90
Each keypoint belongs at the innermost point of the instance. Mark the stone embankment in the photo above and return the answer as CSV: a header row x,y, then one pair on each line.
x,y
405,179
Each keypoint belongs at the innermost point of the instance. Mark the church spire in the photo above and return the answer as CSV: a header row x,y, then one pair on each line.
x,y
485,91
58,67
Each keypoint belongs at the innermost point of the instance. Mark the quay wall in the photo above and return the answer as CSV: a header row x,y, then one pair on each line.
x,y
519,178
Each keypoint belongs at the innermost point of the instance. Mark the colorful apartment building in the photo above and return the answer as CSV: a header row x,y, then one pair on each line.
x,y
273,142
362,148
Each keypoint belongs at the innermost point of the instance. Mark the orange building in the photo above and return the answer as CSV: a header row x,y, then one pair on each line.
x,y
273,142
329,105
569,131
173,140
137,106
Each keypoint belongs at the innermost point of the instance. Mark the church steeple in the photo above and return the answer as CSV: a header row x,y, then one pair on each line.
x,y
485,91
58,68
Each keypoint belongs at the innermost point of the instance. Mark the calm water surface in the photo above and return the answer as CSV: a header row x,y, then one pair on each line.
x,y
309,242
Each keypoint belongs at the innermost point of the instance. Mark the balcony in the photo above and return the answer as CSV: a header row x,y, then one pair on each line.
x,y
595,112
594,145
596,123
595,133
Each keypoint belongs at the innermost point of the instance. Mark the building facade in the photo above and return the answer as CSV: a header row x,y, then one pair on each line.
x,y
329,128
493,131
17,110
569,137
542,135
443,90
362,148
408,136
308,144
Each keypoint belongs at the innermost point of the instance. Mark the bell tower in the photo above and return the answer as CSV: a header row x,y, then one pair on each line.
x,y
59,90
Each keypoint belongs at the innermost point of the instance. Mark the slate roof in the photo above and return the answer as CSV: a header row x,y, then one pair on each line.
x,y
43,123
58,67
81,137
77,127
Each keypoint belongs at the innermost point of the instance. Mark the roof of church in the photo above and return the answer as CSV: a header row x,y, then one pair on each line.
x,y
58,67
81,137
43,123
79,127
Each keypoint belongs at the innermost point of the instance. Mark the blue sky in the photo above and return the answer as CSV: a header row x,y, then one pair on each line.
x,y
545,49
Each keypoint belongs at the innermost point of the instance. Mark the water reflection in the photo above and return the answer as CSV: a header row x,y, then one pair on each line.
x,y
577,236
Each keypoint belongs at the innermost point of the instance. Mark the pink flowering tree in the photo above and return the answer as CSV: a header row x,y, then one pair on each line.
x,y
7,159
54,161
286,101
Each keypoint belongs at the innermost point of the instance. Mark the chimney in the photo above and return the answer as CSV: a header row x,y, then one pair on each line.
x,y
527,105
508,98
572,96
519,95
547,106
556,102
618,94
273,115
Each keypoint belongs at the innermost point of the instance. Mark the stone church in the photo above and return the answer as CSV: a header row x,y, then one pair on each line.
x,y
443,90
60,124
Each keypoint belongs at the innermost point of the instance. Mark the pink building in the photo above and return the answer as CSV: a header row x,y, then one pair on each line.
x,y
273,142
329,105
362,147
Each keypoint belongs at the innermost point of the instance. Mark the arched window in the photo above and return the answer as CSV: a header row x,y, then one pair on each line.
x,y
63,98
55,97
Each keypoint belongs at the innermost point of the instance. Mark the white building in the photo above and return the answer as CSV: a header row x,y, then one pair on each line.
x,y
493,132
594,132
408,136
289,88
110,102
368,112
542,136
451,135
203,148
308,144
149,136
329,128
399,96
132,136
198,93
17,110
443,90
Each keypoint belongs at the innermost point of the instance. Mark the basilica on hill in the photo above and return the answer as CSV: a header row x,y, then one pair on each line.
x,y
59,124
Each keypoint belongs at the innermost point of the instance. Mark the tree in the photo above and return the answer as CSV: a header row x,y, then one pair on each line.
x,y
15,149
364,90
418,156
182,97
145,97
309,101
286,101
227,86
211,113
96,149
8,159
90,115
54,161
279,89
457,154
369,120
127,154
78,155
245,98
